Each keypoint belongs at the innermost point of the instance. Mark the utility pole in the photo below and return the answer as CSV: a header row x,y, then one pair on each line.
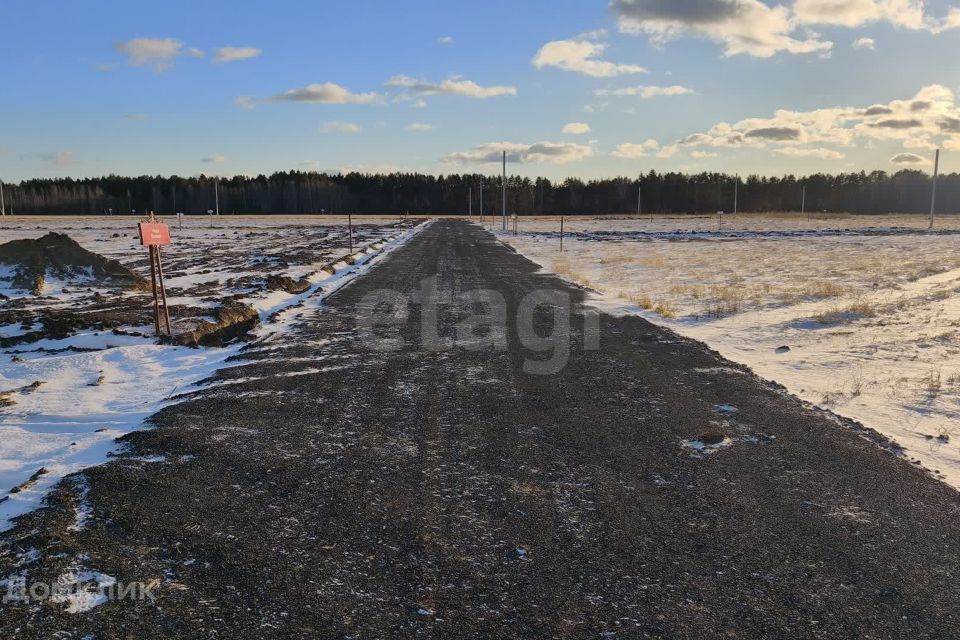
x,y
216,194
3,209
933,195
639,201
803,201
736,193
481,199
470,200
504,209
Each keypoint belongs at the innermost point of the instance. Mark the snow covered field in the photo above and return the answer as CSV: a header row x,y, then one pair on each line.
x,y
65,400
860,315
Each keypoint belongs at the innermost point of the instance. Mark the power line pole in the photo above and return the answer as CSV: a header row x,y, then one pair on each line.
x,y
481,199
736,193
504,209
3,209
803,201
470,200
216,194
639,201
933,195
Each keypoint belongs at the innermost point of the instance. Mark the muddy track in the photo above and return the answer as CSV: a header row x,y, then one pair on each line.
x,y
648,489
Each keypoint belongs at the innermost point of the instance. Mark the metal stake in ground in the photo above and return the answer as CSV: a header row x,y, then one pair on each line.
x,y
350,230
504,207
561,234
933,195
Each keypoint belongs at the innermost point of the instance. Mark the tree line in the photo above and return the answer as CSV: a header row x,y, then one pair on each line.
x,y
296,192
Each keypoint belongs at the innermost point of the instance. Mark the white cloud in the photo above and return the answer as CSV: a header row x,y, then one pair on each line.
x,y
540,152
419,127
746,27
193,52
233,54
581,56
807,152
445,40
952,21
756,28
645,91
340,127
576,128
326,93
929,115
702,155
632,151
454,86
908,14
213,158
908,159
865,43
158,52
919,143
245,102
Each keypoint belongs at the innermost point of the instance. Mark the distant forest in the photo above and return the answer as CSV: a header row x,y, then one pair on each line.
x,y
297,192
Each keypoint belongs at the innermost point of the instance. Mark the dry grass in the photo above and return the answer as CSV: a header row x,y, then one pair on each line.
x,y
665,309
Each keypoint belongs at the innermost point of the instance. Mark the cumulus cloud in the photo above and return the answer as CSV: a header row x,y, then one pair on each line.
x,y
326,93
540,152
454,86
419,127
632,151
445,40
157,52
756,28
865,43
908,14
576,128
581,56
931,115
340,127
806,152
746,27
234,54
213,158
908,159
645,91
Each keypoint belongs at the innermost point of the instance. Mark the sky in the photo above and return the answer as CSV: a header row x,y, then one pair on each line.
x,y
586,88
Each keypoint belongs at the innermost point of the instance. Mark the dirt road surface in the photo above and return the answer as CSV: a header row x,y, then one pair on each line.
x,y
326,489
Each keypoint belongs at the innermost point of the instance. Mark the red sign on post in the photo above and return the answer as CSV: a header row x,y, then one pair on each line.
x,y
154,234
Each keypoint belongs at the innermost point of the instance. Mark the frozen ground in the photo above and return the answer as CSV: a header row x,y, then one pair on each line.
x,y
860,315
66,399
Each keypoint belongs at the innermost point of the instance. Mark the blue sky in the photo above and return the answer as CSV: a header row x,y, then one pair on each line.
x,y
442,86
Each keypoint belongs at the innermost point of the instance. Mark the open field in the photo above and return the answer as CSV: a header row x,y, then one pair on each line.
x,y
79,364
860,315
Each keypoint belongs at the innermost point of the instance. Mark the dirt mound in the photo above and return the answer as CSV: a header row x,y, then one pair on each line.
x,y
286,283
57,255
233,320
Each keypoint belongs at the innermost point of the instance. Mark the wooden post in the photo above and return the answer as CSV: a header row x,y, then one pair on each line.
x,y
163,293
350,230
153,281
561,234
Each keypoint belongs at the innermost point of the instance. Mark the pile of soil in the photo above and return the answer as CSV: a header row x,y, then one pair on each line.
x,y
58,255
233,320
